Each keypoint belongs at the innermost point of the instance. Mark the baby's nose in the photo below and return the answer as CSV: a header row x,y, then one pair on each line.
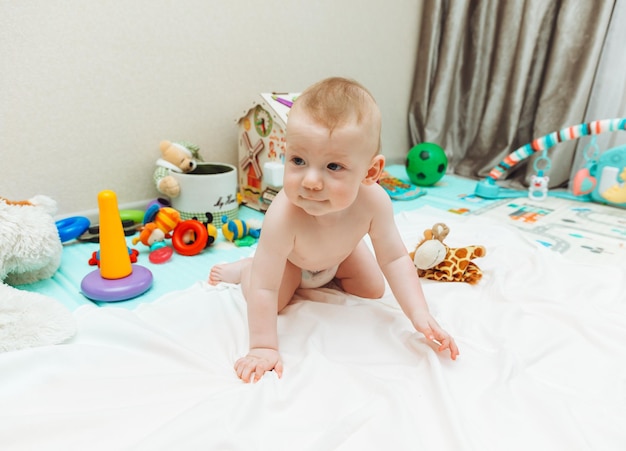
x,y
312,180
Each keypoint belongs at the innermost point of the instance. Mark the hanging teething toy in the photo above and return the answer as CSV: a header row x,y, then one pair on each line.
x,y
538,189
584,183
488,188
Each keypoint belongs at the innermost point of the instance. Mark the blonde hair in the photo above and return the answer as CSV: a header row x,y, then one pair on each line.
x,y
335,101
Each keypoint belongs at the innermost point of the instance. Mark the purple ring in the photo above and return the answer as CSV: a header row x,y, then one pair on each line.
x,y
97,288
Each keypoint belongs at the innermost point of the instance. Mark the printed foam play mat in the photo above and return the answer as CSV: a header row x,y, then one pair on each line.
x,y
583,231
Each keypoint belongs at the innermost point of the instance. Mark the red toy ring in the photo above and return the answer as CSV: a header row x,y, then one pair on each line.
x,y
194,247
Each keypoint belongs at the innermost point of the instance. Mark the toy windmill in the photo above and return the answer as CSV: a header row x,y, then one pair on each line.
x,y
261,136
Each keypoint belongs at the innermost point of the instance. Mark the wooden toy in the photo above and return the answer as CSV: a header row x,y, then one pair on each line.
x,y
261,141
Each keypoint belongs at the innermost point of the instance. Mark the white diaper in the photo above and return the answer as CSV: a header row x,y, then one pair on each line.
x,y
316,279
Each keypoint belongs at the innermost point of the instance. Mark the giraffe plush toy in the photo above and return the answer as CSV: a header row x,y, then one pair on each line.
x,y
435,260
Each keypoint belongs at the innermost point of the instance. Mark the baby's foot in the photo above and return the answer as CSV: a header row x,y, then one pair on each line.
x,y
226,272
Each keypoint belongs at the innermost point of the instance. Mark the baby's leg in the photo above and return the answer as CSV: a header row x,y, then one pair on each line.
x,y
240,271
359,274
228,272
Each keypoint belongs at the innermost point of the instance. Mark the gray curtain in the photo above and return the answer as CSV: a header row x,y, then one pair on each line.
x,y
492,75
608,93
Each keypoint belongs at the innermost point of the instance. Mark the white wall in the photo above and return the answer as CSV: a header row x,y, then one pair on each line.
x,y
89,88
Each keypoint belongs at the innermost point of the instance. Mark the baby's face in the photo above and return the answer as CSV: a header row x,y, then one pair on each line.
x,y
323,173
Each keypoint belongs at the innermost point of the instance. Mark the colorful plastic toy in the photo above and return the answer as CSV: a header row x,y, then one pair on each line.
x,y
167,219
160,255
584,183
426,164
116,279
95,257
150,235
190,237
92,235
538,188
212,231
398,189
159,222
72,228
235,229
134,216
586,186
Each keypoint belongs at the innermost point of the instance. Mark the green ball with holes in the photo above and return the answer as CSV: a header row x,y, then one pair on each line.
x,y
426,164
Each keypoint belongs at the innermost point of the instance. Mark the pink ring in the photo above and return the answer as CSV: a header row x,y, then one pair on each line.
x,y
160,255
194,247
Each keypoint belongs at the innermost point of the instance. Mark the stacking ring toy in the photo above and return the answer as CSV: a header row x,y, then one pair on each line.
x,y
194,247
72,228
116,279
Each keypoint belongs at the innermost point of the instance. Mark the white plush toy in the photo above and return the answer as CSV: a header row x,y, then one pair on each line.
x,y
30,250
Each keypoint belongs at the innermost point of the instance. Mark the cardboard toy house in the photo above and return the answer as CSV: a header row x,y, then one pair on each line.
x,y
261,138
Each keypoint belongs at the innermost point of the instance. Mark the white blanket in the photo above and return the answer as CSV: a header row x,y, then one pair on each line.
x,y
542,366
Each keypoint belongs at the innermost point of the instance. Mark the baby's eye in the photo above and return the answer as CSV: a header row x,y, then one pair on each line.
x,y
297,161
334,166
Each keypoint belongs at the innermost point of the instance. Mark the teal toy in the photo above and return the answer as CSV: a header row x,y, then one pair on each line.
x,y
426,164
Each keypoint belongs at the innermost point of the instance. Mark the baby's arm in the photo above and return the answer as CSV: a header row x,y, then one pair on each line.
x,y
407,289
263,353
401,274
266,275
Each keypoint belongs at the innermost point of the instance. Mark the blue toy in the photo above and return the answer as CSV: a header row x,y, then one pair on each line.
x,y
72,228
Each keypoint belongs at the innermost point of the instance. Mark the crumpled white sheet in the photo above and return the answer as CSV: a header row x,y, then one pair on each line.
x,y
542,366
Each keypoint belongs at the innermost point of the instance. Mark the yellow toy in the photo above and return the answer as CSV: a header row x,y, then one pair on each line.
x,y
436,261
240,232
175,157
162,222
212,231
617,192
116,279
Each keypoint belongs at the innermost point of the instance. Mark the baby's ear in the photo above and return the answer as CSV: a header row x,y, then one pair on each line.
x,y
375,170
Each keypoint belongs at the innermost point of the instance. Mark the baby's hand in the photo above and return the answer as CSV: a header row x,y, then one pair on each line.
x,y
257,362
427,325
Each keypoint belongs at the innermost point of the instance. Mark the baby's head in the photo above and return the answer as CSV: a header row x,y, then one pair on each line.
x,y
336,102
333,145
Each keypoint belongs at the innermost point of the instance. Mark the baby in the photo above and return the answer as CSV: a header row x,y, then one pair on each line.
x,y
313,230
